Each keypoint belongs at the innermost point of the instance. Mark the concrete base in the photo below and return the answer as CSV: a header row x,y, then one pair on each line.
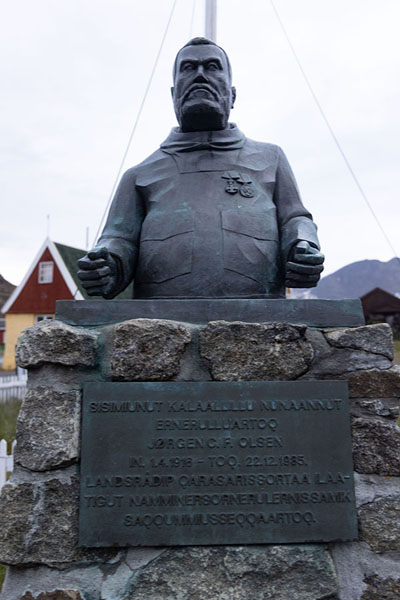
x,y
314,313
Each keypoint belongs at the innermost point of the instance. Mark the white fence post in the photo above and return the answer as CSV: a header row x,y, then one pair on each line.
x,y
6,461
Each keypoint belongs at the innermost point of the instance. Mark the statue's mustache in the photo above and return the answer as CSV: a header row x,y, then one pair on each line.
x,y
202,87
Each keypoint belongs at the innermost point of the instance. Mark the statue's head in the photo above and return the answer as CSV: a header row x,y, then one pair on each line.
x,y
203,94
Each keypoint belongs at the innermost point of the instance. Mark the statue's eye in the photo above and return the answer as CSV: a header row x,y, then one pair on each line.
x,y
187,67
212,66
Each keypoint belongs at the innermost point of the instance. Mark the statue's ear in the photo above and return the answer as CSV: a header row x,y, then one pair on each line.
x,y
233,96
172,92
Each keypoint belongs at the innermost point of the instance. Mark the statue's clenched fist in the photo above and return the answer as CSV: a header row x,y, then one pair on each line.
x,y
304,266
98,273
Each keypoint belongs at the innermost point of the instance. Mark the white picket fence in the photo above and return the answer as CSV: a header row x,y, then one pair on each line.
x,y
13,386
20,379
6,461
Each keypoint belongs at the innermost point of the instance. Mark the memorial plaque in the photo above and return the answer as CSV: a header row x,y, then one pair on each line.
x,y
216,463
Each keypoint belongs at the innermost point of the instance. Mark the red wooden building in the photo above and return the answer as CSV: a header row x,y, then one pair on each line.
x,y
381,307
51,277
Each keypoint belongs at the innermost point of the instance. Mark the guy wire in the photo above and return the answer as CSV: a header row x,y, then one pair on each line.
x,y
114,187
335,139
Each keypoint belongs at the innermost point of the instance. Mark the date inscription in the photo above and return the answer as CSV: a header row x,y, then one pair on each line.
x,y
216,463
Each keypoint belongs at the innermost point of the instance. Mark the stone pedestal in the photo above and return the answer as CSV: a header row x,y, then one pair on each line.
x,y
39,505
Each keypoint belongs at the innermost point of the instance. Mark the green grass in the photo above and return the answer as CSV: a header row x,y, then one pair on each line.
x,y
396,358
8,420
3,569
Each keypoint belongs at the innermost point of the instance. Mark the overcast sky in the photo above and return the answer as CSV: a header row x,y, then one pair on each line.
x,y
73,75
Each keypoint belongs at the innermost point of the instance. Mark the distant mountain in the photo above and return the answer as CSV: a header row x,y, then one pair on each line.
x,y
358,278
6,289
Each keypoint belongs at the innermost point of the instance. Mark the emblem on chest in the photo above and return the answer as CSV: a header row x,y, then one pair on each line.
x,y
235,183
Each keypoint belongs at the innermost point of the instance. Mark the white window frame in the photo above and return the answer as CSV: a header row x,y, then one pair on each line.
x,y
40,318
46,272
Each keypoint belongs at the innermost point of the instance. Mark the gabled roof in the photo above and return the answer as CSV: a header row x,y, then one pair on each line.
x,y
65,258
70,257
65,272
380,301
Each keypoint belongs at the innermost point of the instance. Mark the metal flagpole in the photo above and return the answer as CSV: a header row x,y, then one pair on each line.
x,y
211,20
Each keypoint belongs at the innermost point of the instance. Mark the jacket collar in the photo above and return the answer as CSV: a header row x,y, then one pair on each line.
x,y
230,138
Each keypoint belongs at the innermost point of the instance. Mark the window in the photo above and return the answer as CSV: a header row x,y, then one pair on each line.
x,y
39,318
46,272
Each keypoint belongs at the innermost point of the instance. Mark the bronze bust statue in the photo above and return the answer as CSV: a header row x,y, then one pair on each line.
x,y
211,213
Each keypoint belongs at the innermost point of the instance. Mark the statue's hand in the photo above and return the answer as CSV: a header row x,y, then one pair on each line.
x,y
98,272
304,266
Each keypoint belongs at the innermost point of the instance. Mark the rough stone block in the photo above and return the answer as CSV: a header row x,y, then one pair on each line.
x,y
255,351
381,589
16,506
56,595
340,352
356,564
148,349
48,429
379,407
36,581
375,383
379,524
376,446
342,361
39,524
239,572
58,343
108,581
377,339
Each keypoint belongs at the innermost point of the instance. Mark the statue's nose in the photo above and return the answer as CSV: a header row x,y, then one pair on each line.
x,y
200,75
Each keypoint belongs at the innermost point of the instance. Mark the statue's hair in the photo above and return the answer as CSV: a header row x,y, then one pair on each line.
x,y
200,41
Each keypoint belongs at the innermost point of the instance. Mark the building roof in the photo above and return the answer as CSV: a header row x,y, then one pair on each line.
x,y
70,257
378,301
6,289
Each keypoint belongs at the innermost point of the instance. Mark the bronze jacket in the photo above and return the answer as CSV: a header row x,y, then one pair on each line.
x,y
209,214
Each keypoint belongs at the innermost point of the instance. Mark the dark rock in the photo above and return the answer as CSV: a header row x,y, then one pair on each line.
x,y
48,429
148,349
56,342
56,595
40,579
39,524
375,383
342,361
318,341
376,446
62,377
255,351
238,572
15,514
380,407
379,524
381,589
377,339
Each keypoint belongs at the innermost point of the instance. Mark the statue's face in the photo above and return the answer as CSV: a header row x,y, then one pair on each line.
x,y
202,95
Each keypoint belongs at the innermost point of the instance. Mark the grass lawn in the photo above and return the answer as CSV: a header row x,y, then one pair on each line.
x,y
2,575
8,419
397,350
